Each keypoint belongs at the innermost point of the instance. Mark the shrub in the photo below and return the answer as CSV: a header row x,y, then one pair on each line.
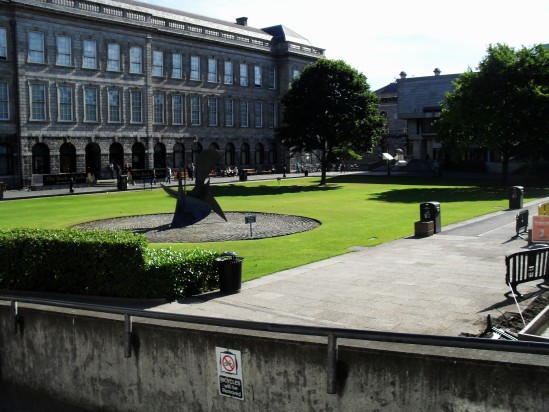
x,y
177,273
101,263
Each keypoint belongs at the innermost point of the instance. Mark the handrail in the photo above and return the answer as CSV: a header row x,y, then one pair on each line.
x,y
332,334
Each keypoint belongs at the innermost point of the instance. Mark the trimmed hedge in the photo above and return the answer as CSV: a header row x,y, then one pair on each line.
x,y
101,263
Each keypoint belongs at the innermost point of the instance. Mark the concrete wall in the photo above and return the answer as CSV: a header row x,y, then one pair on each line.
x,y
79,357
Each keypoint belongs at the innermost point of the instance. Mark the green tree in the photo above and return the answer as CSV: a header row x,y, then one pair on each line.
x,y
502,107
330,109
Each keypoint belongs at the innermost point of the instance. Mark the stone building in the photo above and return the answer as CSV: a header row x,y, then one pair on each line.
x,y
89,83
419,105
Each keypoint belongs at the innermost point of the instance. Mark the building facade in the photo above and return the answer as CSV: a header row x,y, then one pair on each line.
x,y
87,84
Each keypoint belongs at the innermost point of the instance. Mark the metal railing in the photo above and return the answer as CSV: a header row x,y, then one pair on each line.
x,y
331,334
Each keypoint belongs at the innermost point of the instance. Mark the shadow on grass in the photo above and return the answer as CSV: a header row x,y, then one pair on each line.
x,y
263,190
446,190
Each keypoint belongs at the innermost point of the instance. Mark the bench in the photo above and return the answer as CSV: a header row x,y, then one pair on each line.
x,y
250,171
527,266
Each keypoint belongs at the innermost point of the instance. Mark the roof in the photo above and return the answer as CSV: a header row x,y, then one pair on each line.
x,y
281,33
390,88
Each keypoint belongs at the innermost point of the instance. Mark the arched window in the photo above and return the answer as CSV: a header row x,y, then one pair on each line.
x,y
40,159
6,160
67,158
93,158
245,154
259,154
159,156
272,153
138,156
178,156
230,155
214,146
116,155
196,148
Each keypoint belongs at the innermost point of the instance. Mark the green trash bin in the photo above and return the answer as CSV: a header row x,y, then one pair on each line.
x,y
229,268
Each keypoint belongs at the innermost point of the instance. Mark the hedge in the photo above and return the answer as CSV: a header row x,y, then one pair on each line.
x,y
101,263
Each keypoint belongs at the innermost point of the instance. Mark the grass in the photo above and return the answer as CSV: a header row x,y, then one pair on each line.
x,y
354,211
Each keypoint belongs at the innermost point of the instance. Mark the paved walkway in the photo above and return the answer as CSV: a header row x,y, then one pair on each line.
x,y
445,284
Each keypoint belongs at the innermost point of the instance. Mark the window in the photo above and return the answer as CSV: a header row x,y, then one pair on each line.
x,y
65,105
228,78
6,160
4,99
3,44
229,117
272,116
177,66
257,76
137,107
115,108
212,70
272,78
36,47
195,110
243,114
64,57
178,109
136,60
158,63
158,108
258,115
89,58
212,111
296,73
243,74
38,101
195,68
90,104
113,57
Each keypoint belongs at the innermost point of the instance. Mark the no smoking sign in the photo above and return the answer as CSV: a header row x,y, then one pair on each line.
x,y
229,371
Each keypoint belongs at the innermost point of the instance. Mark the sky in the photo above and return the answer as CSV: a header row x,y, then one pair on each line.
x,y
382,39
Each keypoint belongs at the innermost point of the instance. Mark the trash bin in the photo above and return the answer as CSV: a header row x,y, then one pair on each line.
x,y
306,172
516,196
243,175
430,211
123,182
2,188
229,268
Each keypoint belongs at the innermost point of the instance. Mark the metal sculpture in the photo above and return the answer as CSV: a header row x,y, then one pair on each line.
x,y
197,204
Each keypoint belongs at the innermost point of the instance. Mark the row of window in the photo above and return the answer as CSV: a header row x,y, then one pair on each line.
x,y
160,66
168,108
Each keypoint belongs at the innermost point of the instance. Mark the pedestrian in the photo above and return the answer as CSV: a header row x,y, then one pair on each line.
x,y
190,171
154,176
168,175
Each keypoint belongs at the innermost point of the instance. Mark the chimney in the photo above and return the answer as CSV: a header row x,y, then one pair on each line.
x,y
403,74
243,21
436,71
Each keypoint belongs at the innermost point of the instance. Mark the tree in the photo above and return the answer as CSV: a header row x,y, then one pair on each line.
x,y
329,108
503,107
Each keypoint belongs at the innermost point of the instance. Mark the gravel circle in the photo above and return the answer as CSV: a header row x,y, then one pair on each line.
x,y
156,228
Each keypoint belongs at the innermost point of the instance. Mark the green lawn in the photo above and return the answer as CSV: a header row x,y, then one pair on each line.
x,y
354,211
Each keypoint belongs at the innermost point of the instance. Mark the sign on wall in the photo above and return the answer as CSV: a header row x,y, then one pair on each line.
x,y
229,371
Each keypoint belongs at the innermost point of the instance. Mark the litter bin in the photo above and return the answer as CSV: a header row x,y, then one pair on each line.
x,y
2,190
229,268
306,172
430,211
516,196
243,175
123,182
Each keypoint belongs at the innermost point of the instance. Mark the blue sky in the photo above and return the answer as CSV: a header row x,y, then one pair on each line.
x,y
381,40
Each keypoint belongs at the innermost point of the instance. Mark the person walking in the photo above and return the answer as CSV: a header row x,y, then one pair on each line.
x,y
168,175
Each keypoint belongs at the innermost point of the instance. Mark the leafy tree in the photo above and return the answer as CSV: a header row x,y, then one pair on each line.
x,y
503,107
329,108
